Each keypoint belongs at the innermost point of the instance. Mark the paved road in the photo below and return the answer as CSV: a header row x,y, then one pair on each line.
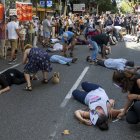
x,y
48,110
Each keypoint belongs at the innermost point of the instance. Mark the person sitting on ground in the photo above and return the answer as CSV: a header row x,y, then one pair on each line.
x,y
111,63
35,59
62,60
68,41
129,83
9,77
100,106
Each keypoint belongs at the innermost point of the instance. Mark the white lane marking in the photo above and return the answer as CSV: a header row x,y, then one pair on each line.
x,y
76,84
10,67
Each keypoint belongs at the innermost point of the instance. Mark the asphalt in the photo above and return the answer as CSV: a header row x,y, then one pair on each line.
x,y
41,114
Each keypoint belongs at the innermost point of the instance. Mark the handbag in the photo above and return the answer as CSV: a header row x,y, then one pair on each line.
x,y
55,78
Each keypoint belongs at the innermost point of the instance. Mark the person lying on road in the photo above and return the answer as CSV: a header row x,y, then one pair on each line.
x,y
100,106
9,77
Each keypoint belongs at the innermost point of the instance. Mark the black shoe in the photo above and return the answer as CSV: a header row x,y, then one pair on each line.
x,y
88,59
91,49
65,55
71,54
74,60
11,62
68,64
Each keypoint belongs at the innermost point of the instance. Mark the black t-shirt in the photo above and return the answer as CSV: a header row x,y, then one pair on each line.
x,y
3,81
101,39
10,75
135,89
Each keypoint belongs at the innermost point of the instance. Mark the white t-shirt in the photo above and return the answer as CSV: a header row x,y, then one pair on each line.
x,y
11,28
118,64
57,47
96,98
118,28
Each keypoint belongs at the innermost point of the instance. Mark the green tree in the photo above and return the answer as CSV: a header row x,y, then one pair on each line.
x,y
125,7
104,5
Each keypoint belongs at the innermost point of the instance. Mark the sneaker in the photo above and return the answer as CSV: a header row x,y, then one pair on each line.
x,y
68,64
11,62
91,62
65,55
74,60
14,59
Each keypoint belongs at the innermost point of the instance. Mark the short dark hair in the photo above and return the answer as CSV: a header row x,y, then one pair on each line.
x,y
130,63
102,122
88,58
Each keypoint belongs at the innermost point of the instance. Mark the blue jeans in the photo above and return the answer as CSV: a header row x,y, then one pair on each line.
x,y
95,49
60,59
61,30
81,95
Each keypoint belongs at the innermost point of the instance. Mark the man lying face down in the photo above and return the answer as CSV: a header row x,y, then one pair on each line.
x,y
118,64
9,77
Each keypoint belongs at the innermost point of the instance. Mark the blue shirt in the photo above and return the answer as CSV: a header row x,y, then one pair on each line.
x,y
70,35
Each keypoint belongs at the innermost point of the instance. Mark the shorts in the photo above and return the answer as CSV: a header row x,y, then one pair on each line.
x,y
22,37
46,34
13,43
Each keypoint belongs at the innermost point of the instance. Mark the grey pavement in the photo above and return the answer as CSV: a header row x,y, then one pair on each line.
x,y
39,115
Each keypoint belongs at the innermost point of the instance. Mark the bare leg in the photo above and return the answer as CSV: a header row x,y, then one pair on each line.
x,y
28,80
45,76
64,50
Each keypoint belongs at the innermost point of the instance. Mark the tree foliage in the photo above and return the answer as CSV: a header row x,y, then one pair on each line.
x,y
125,7
129,5
106,5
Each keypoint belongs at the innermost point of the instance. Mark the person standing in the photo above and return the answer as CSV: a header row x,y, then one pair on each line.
x,y
47,30
13,34
2,39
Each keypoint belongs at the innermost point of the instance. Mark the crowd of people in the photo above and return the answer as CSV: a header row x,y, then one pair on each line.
x,y
34,39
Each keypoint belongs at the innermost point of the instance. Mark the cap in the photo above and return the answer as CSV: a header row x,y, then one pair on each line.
x,y
94,116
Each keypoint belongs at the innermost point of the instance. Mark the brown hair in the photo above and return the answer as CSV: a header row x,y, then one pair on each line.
x,y
124,79
102,122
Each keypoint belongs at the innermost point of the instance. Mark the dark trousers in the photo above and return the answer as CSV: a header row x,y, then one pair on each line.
x,y
101,63
133,114
81,95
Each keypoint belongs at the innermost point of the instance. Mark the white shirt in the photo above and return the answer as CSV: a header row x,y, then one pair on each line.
x,y
118,64
118,28
57,47
96,98
11,28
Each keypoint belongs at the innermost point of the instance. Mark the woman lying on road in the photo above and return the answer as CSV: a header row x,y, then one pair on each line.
x,y
130,83
100,106
9,77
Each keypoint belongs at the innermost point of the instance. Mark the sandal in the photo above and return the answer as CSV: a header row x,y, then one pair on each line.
x,y
28,88
45,81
